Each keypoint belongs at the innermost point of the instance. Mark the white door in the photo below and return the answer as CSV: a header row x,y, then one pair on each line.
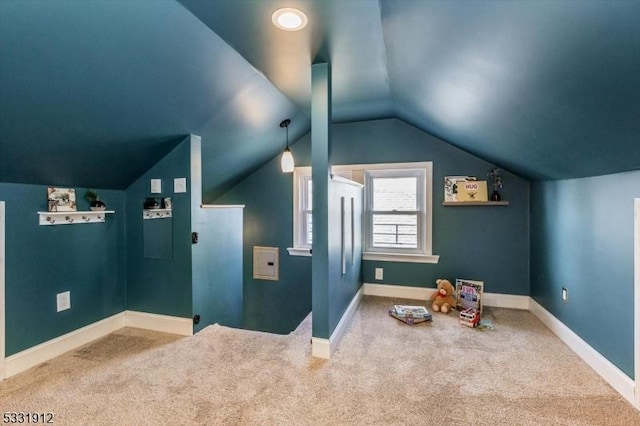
x,y
636,305
2,290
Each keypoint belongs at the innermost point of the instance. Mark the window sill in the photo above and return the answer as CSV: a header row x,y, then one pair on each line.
x,y
386,257
394,257
299,251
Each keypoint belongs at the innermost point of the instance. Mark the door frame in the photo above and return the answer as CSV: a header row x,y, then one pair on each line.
x,y
2,286
636,298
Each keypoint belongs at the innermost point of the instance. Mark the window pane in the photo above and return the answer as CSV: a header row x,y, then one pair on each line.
x,y
396,231
395,194
309,222
309,195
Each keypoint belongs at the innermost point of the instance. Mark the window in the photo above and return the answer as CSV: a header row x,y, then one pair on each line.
x,y
397,211
302,208
394,212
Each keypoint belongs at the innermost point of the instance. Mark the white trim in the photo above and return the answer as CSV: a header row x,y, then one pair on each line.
x,y
399,291
497,300
609,372
636,305
343,179
324,348
222,206
509,301
401,257
320,348
2,304
38,354
43,352
299,251
162,323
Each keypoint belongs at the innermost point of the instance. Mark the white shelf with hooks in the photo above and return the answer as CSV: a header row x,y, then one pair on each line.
x,y
69,218
156,214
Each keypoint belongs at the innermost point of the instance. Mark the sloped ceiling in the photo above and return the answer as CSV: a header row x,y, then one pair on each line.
x,y
94,93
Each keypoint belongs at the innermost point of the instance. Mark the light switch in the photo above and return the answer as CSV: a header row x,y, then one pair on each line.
x,y
179,185
156,186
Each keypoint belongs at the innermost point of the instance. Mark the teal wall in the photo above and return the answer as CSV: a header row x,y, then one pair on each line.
x,y
274,306
582,239
323,215
484,243
217,267
342,287
475,242
41,261
161,286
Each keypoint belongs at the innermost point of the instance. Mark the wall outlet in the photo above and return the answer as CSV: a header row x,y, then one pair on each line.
x,y
565,295
63,301
379,273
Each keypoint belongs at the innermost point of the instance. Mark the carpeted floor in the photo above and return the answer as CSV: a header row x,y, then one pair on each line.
x,y
384,372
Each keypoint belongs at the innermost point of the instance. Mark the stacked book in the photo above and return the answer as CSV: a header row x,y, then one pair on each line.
x,y
410,314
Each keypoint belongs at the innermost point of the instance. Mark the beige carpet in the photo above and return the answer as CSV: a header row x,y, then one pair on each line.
x,y
384,372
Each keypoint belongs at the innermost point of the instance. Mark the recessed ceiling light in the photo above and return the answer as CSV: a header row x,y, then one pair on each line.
x,y
289,19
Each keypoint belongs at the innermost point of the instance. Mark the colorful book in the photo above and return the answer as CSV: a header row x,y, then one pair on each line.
x,y
410,314
451,186
411,311
473,191
469,294
408,320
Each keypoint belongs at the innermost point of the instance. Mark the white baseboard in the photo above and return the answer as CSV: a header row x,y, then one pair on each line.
x,y
162,323
324,348
43,352
320,348
496,300
399,291
38,354
609,372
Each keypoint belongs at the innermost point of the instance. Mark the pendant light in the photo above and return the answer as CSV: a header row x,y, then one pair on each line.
x,y
286,162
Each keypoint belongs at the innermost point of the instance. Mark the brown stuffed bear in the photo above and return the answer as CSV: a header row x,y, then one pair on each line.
x,y
443,299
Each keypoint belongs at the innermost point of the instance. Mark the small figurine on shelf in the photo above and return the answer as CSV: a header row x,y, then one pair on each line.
x,y
496,181
95,204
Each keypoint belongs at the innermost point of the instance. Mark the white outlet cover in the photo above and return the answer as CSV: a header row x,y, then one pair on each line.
x,y
379,273
63,301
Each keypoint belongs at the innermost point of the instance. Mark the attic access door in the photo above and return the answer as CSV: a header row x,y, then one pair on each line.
x,y
2,305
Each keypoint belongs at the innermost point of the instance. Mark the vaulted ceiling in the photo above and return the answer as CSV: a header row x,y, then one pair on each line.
x,y
92,93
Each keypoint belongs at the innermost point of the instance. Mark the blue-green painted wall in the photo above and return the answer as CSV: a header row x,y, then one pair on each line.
x,y
476,242
41,261
323,247
582,239
161,286
274,306
342,287
486,243
217,267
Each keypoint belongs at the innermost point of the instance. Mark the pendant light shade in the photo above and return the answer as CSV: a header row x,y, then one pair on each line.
x,y
286,162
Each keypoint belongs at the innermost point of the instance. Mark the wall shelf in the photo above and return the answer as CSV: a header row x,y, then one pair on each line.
x,y
475,203
68,218
148,214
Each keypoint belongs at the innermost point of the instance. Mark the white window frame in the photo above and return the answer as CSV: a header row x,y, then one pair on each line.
x,y
421,215
358,172
301,175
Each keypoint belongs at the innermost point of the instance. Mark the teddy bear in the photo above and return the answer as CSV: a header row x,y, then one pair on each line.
x,y
443,299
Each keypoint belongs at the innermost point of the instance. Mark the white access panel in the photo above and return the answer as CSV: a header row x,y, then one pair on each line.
x,y
265,263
